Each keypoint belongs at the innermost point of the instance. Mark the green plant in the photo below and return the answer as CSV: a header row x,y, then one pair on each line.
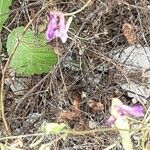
x,y
4,13
33,55
49,129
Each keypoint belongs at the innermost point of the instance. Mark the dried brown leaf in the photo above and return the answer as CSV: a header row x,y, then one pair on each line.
x,y
129,33
95,106
74,114
69,116
76,97
80,126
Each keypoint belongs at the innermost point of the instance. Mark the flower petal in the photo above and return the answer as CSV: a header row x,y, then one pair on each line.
x,y
68,23
64,34
111,120
63,28
51,27
57,27
136,110
61,23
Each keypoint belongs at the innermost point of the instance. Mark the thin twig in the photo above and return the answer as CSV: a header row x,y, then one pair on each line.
x,y
79,10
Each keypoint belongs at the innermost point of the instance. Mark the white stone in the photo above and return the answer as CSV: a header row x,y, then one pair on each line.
x,y
136,59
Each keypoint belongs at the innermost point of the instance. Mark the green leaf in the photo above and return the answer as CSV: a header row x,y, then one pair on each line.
x,y
53,128
2,147
4,11
33,55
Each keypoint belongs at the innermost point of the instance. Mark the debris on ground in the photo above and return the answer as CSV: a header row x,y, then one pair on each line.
x,y
105,55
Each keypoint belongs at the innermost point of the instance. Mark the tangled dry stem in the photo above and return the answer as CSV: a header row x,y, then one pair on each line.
x,y
86,66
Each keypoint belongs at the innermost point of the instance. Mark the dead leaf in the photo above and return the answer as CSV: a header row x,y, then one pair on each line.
x,y
80,126
74,114
32,13
69,116
148,146
95,106
129,33
76,97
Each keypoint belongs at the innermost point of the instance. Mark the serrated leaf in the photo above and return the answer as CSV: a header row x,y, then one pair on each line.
x,y
4,11
33,55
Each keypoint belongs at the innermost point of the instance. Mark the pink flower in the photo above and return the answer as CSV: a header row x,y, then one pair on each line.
x,y
57,27
136,110
119,110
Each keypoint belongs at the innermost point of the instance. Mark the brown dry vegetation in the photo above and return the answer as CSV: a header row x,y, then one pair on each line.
x,y
79,89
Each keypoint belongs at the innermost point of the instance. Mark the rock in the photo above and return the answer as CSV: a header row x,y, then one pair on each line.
x,y
136,62
135,57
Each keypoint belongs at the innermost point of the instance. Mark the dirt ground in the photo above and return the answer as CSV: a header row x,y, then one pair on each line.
x,y
79,90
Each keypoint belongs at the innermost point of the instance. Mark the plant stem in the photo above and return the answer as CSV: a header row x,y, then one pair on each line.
x,y
79,10
122,123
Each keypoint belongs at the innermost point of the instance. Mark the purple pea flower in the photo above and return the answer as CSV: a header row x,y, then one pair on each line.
x,y
119,110
136,110
57,26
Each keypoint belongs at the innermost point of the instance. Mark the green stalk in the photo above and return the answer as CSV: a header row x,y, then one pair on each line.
x,y
123,126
